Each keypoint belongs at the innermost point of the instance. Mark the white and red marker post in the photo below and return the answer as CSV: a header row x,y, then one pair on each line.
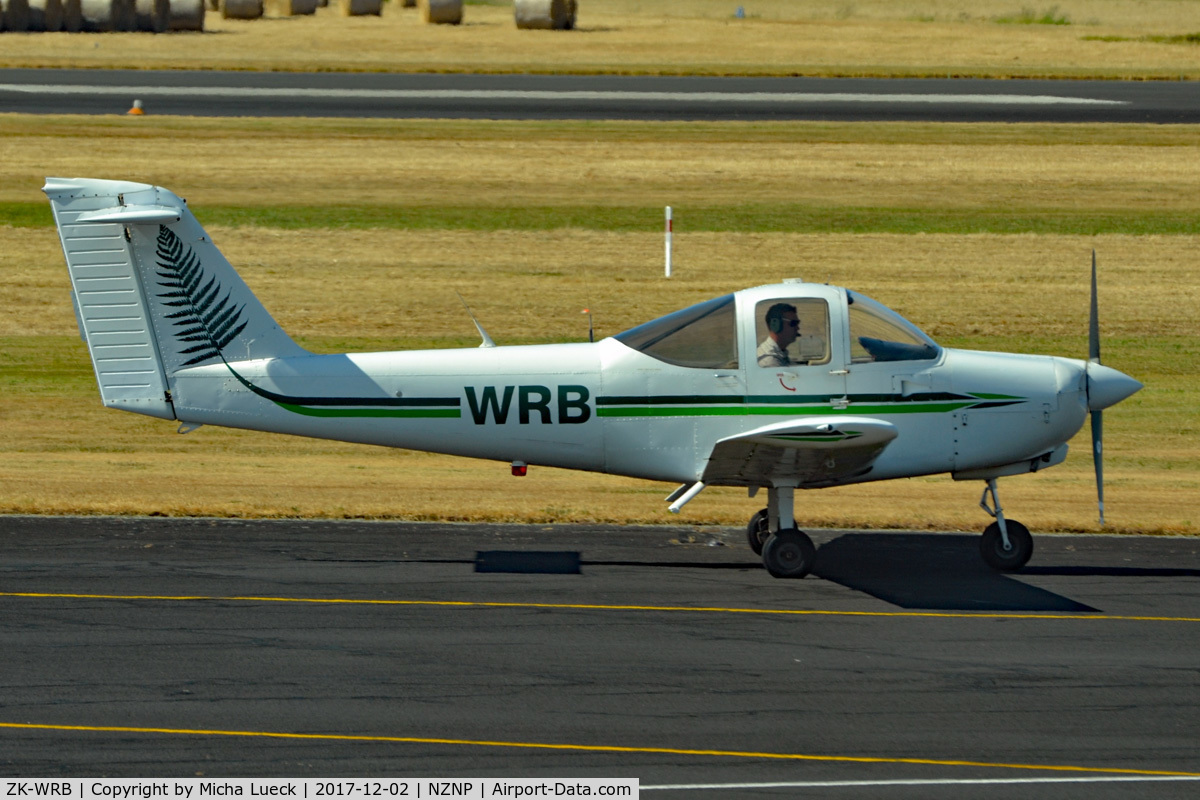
x,y
670,228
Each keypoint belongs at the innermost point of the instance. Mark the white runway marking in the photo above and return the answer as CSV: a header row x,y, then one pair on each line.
x,y
782,98
916,782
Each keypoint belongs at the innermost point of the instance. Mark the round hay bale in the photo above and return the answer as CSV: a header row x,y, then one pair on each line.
x,y
441,12
547,15
187,15
98,15
241,9
104,16
16,15
289,8
46,15
151,15
72,21
360,8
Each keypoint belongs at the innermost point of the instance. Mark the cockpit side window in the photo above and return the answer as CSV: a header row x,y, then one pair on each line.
x,y
879,334
784,344
701,336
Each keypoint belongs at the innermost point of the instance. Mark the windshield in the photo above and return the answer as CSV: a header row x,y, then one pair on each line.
x,y
879,334
702,336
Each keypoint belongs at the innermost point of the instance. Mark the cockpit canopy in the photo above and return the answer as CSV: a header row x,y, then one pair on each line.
x,y
706,335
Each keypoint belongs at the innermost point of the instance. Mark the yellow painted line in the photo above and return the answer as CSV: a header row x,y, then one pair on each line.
x,y
598,607
594,748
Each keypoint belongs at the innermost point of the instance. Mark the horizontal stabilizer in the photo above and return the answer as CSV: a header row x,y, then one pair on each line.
x,y
132,215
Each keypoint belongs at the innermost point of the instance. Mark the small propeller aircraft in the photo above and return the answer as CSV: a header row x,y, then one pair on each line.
x,y
783,387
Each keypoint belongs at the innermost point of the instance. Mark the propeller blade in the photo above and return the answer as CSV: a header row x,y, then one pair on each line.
x,y
1098,458
1105,387
1094,320
1097,414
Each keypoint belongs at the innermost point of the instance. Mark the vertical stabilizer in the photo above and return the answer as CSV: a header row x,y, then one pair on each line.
x,y
152,293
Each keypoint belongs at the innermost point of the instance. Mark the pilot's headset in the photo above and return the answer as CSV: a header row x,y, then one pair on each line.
x,y
775,318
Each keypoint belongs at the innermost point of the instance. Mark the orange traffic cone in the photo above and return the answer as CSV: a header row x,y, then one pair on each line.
x,y
137,108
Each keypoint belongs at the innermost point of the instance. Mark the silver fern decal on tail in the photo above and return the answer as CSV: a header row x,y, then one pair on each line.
x,y
206,320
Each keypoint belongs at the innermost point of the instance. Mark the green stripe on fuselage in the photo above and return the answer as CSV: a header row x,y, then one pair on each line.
x,y
401,413
784,411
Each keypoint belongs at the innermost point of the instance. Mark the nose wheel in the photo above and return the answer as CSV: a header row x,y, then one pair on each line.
x,y
1006,559
1006,545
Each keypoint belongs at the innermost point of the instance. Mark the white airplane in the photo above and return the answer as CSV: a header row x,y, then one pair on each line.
x,y
784,387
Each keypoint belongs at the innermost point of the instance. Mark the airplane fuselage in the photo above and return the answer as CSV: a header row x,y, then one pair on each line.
x,y
605,407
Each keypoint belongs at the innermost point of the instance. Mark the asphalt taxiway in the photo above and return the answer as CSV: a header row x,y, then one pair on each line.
x,y
594,97
903,667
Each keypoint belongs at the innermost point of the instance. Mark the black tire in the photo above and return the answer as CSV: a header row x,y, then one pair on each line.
x,y
789,554
991,546
758,531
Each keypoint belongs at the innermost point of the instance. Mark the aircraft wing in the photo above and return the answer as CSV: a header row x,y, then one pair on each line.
x,y
814,451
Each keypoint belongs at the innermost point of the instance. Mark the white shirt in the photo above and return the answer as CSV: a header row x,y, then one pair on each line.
x,y
770,354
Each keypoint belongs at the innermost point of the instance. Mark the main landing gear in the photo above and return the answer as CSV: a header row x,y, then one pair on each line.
x,y
1006,544
786,551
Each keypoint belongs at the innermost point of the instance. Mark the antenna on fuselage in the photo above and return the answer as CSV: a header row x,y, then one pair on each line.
x,y
487,340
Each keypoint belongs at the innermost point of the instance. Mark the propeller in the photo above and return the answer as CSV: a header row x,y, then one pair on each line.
x,y
1105,387
1097,413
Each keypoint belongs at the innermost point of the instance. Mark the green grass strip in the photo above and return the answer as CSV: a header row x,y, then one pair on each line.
x,y
26,215
748,218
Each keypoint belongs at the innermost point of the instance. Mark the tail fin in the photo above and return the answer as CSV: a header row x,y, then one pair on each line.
x,y
152,292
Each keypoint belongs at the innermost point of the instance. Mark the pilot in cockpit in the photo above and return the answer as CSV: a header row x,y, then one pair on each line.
x,y
783,326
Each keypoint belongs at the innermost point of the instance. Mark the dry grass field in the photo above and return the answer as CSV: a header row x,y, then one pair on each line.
x,y
388,219
995,38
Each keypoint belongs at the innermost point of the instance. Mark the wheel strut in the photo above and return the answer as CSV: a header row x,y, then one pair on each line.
x,y
787,551
995,511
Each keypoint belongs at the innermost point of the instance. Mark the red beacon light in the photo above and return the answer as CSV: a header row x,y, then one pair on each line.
x,y
519,468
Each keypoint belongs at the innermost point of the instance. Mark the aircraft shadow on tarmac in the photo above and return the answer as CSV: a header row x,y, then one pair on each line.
x,y
931,571
912,571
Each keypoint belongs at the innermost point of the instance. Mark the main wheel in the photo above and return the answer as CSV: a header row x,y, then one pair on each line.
x,y
789,554
758,531
991,546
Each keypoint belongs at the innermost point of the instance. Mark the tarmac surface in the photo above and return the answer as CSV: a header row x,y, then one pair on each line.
x,y
215,93
143,647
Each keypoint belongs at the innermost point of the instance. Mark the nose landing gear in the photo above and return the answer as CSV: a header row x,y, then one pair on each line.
x,y
1006,545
